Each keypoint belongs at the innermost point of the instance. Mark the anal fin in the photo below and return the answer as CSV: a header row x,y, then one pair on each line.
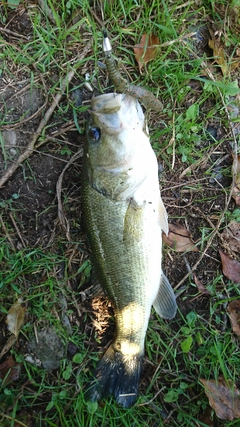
x,y
165,302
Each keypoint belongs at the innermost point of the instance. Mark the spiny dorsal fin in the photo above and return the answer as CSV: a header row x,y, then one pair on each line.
x,y
165,302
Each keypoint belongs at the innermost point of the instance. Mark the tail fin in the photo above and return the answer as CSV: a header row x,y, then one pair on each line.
x,y
118,376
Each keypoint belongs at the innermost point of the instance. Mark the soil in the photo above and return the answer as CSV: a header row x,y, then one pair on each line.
x,y
29,203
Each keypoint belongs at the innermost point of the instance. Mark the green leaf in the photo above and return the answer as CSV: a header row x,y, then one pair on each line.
x,y
191,318
231,89
171,396
185,330
67,373
50,405
192,112
78,358
13,3
92,407
186,344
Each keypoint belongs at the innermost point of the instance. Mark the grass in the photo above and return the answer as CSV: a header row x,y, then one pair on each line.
x,y
197,344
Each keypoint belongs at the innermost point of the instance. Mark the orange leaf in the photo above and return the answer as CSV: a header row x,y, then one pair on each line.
x,y
224,398
234,312
230,267
179,239
146,50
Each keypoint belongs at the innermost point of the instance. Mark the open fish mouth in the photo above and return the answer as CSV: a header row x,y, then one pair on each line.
x,y
116,112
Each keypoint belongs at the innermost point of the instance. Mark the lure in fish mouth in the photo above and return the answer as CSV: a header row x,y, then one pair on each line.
x,y
124,217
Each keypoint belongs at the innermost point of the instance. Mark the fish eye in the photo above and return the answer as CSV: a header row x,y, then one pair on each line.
x,y
94,133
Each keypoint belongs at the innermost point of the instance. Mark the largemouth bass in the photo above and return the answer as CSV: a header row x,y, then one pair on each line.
x,y
124,217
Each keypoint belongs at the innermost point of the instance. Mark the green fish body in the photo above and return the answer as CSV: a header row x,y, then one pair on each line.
x,y
124,217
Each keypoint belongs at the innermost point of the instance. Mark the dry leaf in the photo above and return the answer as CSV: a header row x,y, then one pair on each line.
x,y
224,398
11,340
206,417
146,50
219,53
200,286
230,267
179,239
231,236
9,370
15,317
236,189
234,312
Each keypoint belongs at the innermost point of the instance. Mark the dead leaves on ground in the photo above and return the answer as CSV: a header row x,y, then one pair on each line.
x,y
179,239
231,242
230,267
201,288
236,178
15,317
226,64
14,320
224,398
234,313
9,370
231,237
146,50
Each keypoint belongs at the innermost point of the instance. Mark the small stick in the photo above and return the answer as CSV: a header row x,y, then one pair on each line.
x,y
146,97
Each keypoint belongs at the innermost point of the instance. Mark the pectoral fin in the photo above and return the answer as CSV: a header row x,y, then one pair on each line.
x,y
162,216
165,302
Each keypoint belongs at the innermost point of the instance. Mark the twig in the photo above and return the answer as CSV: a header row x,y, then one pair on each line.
x,y
7,234
30,147
12,33
17,230
15,420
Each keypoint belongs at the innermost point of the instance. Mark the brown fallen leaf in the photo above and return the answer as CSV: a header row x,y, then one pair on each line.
x,y
9,370
11,340
206,417
236,173
200,286
179,239
219,54
224,398
234,313
231,236
230,267
146,50
15,317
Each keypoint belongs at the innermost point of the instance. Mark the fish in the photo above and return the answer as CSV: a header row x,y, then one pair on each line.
x,y
124,217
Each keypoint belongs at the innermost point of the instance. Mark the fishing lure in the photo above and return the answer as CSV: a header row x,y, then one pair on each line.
x,y
149,101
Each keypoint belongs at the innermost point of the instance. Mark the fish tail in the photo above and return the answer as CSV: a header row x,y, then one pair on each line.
x,y
116,375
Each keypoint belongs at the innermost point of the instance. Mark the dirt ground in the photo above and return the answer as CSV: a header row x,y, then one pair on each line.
x,y
29,202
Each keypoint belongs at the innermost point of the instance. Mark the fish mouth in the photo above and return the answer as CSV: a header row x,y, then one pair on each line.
x,y
115,112
109,103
